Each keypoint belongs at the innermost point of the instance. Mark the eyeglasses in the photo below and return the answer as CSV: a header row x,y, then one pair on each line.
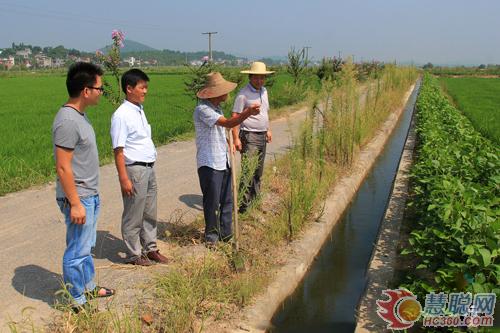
x,y
101,89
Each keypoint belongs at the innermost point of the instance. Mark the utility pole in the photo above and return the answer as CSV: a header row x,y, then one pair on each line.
x,y
307,53
209,43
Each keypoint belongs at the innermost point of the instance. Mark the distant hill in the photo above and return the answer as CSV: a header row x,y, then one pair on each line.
x,y
131,46
166,57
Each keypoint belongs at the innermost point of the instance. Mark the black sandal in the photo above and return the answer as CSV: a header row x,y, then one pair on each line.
x,y
85,308
95,292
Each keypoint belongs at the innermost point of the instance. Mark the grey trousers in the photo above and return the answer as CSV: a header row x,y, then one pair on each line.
x,y
139,212
253,143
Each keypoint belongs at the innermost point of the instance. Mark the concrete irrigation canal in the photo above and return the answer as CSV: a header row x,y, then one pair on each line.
x,y
328,296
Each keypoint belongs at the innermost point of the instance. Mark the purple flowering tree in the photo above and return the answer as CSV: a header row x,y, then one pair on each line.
x,y
111,63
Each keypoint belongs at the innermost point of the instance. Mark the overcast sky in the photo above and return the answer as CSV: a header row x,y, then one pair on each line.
x,y
439,31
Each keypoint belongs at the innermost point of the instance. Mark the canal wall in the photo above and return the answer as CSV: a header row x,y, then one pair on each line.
x,y
381,268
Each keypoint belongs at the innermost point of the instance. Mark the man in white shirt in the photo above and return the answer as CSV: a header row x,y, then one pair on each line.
x,y
135,155
252,136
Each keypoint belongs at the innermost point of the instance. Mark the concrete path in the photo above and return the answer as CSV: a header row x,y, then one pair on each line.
x,y
33,232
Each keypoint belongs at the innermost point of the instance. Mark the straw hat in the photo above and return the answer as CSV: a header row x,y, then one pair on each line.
x,y
215,86
257,68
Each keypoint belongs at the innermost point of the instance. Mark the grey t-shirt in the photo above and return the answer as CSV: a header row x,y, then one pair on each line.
x,y
248,96
72,130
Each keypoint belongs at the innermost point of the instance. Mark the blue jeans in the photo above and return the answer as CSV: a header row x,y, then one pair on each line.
x,y
78,265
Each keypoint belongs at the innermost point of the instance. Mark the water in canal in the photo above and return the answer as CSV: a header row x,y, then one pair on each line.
x,y
327,298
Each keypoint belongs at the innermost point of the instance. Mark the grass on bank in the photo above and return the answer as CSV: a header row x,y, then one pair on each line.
x,y
204,292
479,100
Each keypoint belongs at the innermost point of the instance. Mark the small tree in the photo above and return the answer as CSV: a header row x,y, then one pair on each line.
x,y
297,63
329,68
111,63
198,77
428,65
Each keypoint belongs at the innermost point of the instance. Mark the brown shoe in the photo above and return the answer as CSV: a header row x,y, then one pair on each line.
x,y
156,256
142,261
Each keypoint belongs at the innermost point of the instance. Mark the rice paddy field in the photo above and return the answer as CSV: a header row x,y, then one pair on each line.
x,y
479,99
30,102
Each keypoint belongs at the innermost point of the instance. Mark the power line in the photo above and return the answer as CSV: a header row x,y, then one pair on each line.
x,y
9,8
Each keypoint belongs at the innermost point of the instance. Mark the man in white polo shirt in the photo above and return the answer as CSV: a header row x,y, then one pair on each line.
x,y
135,155
252,136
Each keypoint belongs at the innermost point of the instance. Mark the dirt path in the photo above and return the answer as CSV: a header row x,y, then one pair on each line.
x,y
33,231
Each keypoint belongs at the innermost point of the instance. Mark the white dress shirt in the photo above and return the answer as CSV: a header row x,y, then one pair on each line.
x,y
130,129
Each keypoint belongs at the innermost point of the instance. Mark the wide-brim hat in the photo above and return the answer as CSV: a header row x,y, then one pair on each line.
x,y
258,68
216,86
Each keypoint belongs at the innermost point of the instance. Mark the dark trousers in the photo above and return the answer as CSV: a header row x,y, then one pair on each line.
x,y
217,203
252,143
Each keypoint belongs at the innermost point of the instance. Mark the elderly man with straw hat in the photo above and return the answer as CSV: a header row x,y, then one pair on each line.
x,y
254,132
212,156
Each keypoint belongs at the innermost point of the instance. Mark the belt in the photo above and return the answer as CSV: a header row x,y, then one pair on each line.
x,y
144,164
256,132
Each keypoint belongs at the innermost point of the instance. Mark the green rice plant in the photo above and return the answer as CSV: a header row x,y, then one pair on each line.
x,y
479,100
31,102
290,94
482,70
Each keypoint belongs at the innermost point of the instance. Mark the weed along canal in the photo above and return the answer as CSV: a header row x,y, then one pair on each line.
x,y
327,298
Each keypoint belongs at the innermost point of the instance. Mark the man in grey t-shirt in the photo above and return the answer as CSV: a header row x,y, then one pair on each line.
x,y
77,167
72,130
